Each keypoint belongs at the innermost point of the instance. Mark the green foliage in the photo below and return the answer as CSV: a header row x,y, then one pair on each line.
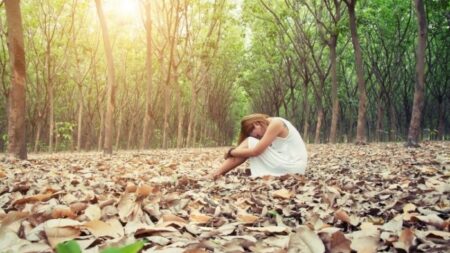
x,y
73,247
68,247
64,130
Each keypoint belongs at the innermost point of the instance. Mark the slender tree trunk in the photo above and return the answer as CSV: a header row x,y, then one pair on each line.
x,y
194,132
101,130
334,91
51,122
130,135
306,114
80,119
180,120
441,124
146,131
118,132
318,124
393,122
38,134
418,102
193,105
379,122
17,147
361,126
107,147
167,101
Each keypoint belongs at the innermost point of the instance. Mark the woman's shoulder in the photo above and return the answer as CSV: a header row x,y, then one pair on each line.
x,y
277,121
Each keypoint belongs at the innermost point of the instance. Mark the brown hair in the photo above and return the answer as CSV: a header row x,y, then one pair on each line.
x,y
248,124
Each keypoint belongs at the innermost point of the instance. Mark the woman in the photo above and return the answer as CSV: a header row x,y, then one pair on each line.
x,y
272,145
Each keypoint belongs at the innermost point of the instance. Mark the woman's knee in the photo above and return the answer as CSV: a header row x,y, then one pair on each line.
x,y
251,142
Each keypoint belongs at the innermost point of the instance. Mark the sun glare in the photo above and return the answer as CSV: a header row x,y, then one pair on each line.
x,y
123,10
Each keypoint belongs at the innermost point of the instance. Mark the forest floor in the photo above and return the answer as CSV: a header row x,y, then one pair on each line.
x,y
377,197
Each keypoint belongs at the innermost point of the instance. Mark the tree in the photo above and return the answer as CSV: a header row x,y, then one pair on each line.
x,y
17,98
107,147
361,126
146,131
418,102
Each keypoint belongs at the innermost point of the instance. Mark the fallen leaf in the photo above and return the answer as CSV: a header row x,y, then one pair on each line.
x,y
269,229
99,228
93,212
247,218
199,218
305,240
283,193
406,240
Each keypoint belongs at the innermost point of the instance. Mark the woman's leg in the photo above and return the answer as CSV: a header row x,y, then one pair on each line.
x,y
231,162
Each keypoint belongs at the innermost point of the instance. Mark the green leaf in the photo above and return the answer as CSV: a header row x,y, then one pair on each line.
x,y
68,247
132,248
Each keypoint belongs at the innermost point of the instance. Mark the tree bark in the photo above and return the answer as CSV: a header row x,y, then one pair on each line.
x,y
379,121
80,118
107,147
362,106
17,95
318,124
418,102
334,90
38,135
51,120
146,131
441,124
180,119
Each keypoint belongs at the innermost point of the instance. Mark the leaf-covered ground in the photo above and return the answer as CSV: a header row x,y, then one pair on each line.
x,y
378,197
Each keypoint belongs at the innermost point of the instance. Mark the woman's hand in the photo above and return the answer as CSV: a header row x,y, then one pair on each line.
x,y
228,154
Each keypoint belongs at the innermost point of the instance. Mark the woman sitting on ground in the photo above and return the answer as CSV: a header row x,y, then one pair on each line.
x,y
272,145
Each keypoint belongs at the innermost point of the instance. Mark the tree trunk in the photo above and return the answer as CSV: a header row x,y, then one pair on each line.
x,y
51,122
441,124
393,121
306,115
180,120
130,135
80,119
146,131
167,101
361,125
192,108
38,134
107,147
418,102
318,124
379,122
118,132
101,130
334,91
17,95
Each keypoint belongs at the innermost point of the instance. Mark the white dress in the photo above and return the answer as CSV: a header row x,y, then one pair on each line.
x,y
283,156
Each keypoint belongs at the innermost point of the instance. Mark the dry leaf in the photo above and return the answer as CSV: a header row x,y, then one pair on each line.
x,y
61,230
199,218
169,219
100,228
339,243
269,229
11,217
406,240
283,193
93,212
342,216
131,187
247,218
143,191
305,240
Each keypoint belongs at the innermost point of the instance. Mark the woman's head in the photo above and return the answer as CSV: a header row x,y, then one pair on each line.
x,y
250,122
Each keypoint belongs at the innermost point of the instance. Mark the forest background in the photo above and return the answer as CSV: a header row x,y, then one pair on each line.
x,y
181,73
